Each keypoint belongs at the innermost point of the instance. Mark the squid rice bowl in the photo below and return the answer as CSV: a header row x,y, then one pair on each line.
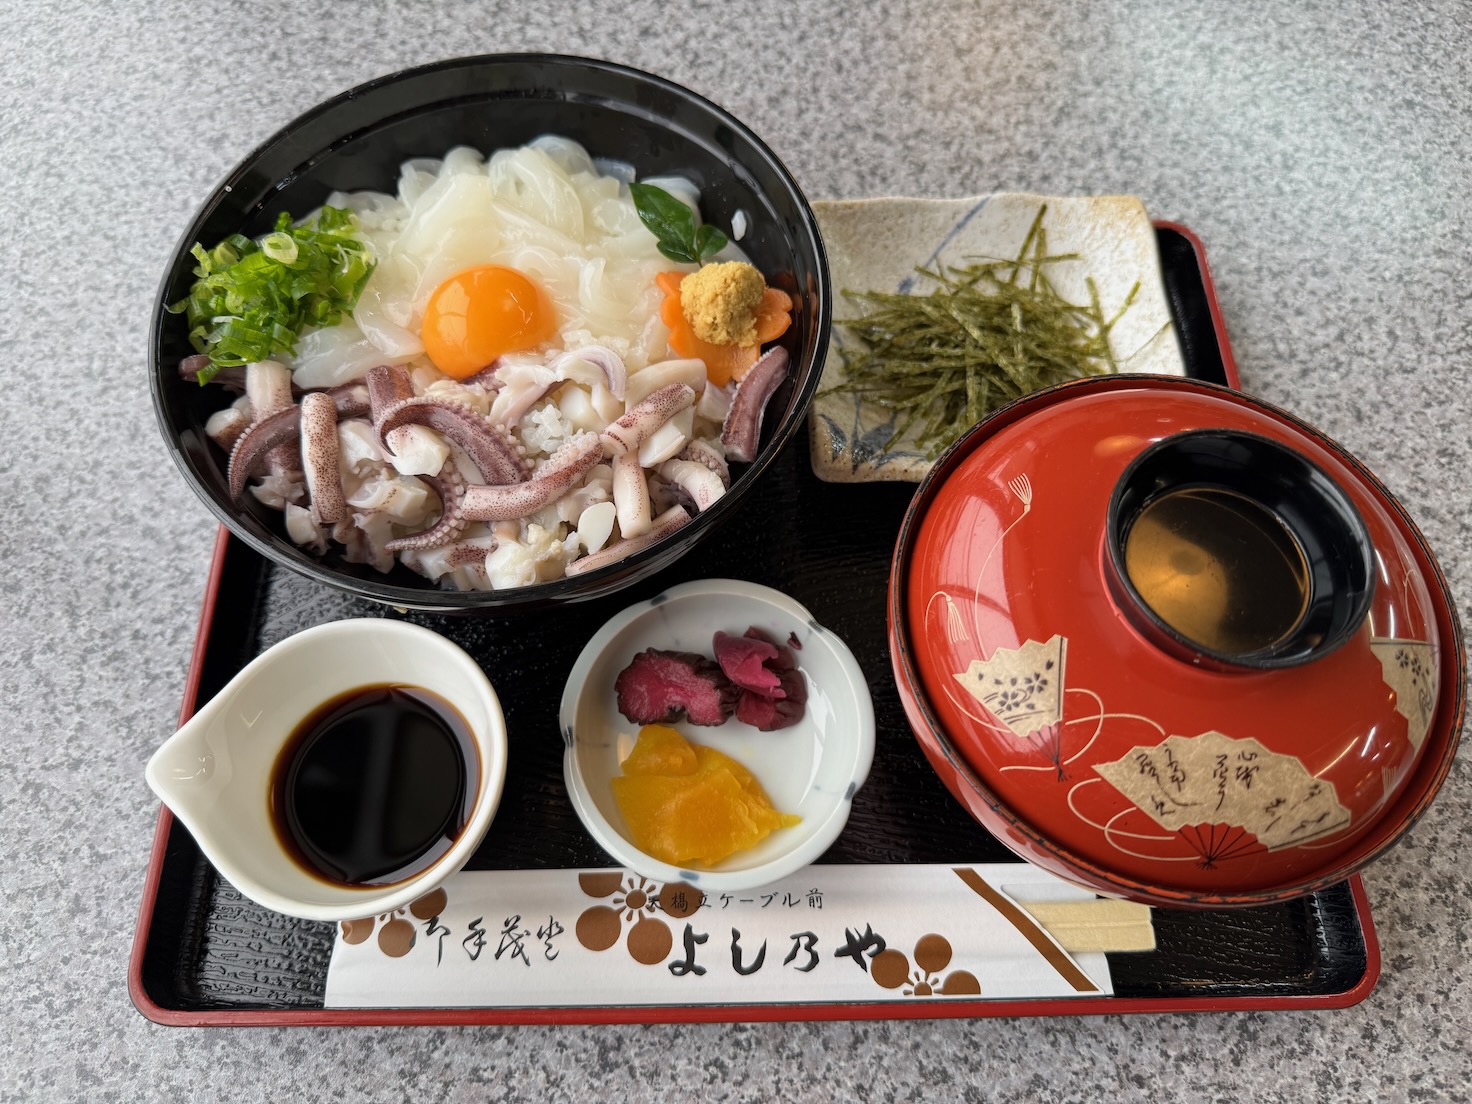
x,y
534,381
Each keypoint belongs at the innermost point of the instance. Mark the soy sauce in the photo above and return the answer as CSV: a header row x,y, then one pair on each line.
x,y
373,787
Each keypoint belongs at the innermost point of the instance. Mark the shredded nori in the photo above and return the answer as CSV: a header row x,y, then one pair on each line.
x,y
984,335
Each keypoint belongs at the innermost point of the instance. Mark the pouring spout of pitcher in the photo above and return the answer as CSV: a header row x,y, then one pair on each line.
x,y
191,767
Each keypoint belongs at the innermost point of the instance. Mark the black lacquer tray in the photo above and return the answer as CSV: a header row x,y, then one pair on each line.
x,y
205,955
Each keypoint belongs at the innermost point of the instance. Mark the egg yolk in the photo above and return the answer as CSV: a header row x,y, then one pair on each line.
x,y
480,313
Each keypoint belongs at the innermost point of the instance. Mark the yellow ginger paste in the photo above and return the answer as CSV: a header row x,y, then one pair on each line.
x,y
720,302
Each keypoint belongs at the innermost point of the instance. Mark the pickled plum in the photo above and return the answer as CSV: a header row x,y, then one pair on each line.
x,y
752,677
768,714
773,693
744,659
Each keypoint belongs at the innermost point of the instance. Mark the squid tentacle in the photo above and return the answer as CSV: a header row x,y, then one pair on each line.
x,y
264,436
743,429
673,519
449,485
387,384
702,485
318,418
636,426
283,427
499,458
701,452
568,465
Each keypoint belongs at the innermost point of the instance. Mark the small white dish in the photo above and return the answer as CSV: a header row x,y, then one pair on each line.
x,y
215,773
812,768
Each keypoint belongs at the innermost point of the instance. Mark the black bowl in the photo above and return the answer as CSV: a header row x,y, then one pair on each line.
x,y
358,141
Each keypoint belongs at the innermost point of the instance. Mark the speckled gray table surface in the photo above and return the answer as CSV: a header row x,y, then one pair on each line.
x,y
1321,151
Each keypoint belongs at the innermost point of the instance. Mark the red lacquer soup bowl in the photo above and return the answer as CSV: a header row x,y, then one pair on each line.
x,y
1170,643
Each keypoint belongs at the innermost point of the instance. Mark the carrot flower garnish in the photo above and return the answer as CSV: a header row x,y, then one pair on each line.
x,y
723,363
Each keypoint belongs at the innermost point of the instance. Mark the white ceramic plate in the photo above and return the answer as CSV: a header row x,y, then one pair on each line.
x,y
877,244
812,768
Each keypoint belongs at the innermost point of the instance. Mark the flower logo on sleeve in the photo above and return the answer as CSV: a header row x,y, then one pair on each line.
x,y
635,901
892,970
397,936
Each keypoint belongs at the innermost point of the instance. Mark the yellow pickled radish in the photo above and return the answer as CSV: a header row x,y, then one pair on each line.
x,y
660,750
690,805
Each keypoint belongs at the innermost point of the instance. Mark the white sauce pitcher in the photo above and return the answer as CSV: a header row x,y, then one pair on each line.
x,y
215,773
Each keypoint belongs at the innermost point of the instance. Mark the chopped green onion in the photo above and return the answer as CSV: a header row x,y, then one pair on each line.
x,y
279,247
252,299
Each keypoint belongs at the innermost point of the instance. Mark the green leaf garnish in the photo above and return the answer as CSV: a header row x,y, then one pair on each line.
x,y
252,299
677,253
708,241
673,225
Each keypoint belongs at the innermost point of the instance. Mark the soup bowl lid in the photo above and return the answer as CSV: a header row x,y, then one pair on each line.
x,y
1174,643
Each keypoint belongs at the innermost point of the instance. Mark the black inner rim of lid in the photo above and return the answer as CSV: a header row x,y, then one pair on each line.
x,y
1320,519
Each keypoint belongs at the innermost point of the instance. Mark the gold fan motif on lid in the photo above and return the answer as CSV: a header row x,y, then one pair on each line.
x,y
1021,687
1227,796
1409,668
